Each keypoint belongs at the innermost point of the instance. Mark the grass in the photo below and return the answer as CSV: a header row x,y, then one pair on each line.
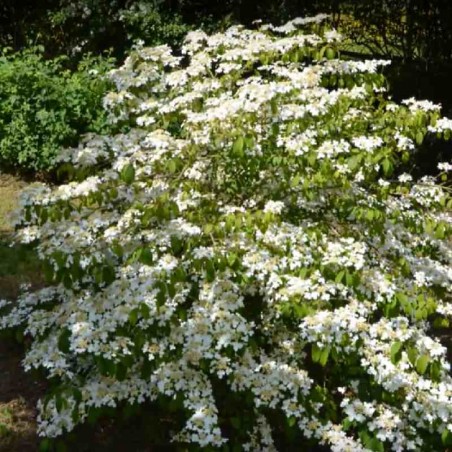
x,y
10,188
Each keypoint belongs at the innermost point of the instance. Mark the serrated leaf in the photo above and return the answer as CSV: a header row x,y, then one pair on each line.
x,y
422,363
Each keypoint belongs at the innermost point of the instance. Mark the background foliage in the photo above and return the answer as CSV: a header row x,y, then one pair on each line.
x,y
44,107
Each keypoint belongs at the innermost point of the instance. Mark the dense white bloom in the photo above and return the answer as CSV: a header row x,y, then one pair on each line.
x,y
274,207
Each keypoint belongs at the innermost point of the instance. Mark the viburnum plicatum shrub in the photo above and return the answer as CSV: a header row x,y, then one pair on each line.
x,y
249,251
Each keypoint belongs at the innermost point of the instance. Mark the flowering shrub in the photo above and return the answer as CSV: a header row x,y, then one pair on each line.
x,y
249,251
44,106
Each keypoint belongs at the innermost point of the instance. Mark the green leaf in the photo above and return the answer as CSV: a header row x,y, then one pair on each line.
x,y
347,424
64,341
60,446
208,228
387,167
440,231
446,437
128,174
376,445
330,53
295,181
320,354
59,402
435,371
238,147
48,271
419,138
324,354
210,271
412,355
349,279
315,353
146,256
236,423
422,363
339,276
45,445
396,352
77,394
172,166
133,316
176,244
121,371
291,421
108,274
403,299
232,258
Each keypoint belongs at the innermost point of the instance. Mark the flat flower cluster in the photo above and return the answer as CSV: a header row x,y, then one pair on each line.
x,y
250,249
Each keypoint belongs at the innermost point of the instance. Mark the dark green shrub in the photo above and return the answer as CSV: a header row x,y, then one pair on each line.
x,y
45,107
152,23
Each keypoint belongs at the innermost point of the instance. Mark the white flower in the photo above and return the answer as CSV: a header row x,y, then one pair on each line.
x,y
275,207
403,178
445,166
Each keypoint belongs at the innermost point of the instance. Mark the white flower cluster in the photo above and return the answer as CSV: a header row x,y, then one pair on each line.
x,y
442,125
245,240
